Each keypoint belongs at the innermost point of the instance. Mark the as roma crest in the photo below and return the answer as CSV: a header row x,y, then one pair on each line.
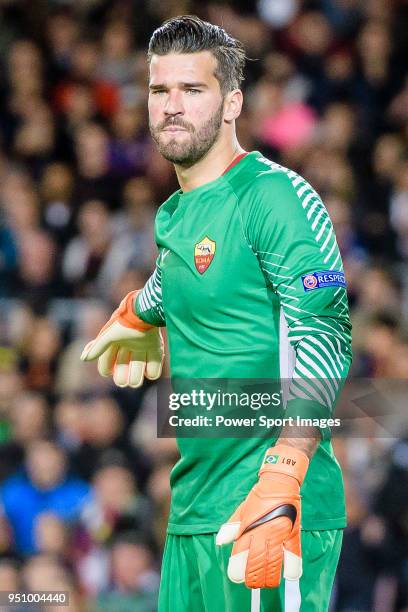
x,y
204,252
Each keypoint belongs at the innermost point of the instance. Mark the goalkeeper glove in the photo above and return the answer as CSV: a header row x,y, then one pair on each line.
x,y
265,528
127,347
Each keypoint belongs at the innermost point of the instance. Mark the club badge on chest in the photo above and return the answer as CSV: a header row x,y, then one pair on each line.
x,y
204,252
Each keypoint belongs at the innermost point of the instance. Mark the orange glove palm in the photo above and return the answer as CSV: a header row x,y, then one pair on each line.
x,y
265,528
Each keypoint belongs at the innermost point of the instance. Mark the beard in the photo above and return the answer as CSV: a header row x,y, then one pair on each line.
x,y
201,140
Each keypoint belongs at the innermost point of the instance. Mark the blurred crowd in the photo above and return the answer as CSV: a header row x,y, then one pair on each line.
x,y
84,481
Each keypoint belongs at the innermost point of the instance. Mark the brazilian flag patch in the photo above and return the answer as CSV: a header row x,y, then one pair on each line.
x,y
271,459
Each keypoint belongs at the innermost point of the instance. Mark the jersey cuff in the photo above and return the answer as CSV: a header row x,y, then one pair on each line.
x,y
148,316
308,409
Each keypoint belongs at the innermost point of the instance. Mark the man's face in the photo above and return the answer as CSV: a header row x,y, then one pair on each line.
x,y
45,464
185,105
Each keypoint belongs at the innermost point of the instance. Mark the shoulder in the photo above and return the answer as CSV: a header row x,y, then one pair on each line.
x,y
260,176
276,180
267,186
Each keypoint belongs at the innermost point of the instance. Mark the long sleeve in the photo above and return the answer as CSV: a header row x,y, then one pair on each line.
x,y
149,304
293,238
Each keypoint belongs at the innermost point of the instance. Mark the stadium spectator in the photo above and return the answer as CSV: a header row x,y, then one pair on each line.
x,y
9,575
134,579
43,486
116,507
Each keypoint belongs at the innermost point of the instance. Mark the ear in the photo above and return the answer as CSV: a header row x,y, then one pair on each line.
x,y
232,105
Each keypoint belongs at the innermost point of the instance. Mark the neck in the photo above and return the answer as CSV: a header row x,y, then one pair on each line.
x,y
210,167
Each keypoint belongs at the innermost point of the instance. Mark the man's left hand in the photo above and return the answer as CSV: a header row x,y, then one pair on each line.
x,y
265,528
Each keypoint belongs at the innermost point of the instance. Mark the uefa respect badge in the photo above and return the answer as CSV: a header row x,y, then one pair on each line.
x,y
326,278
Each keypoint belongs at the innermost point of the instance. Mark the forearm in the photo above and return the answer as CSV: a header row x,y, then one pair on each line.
x,y
305,439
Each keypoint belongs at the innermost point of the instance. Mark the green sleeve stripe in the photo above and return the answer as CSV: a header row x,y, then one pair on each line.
x,y
331,364
149,302
321,362
307,370
318,218
300,385
320,322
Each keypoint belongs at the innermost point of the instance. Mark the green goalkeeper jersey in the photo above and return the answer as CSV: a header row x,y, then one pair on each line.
x,y
249,284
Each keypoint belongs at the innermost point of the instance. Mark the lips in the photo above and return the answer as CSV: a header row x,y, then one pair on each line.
x,y
174,129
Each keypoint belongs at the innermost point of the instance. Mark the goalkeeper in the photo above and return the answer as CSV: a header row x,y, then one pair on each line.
x,y
249,284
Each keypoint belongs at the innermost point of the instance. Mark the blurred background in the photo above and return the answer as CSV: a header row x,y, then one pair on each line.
x,y
84,487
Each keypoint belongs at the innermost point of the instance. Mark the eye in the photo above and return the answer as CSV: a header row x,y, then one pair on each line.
x,y
155,92
192,91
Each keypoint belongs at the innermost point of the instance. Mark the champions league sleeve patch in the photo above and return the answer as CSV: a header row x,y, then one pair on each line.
x,y
327,278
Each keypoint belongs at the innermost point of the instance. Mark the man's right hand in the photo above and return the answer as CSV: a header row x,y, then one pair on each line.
x,y
127,348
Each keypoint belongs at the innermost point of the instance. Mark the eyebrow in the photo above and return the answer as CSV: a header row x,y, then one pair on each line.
x,y
184,85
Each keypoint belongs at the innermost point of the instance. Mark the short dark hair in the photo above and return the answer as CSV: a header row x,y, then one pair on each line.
x,y
190,34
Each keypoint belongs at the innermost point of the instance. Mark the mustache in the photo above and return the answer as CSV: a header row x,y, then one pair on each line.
x,y
171,122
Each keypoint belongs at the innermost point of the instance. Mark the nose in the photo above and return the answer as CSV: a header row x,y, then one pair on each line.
x,y
174,103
